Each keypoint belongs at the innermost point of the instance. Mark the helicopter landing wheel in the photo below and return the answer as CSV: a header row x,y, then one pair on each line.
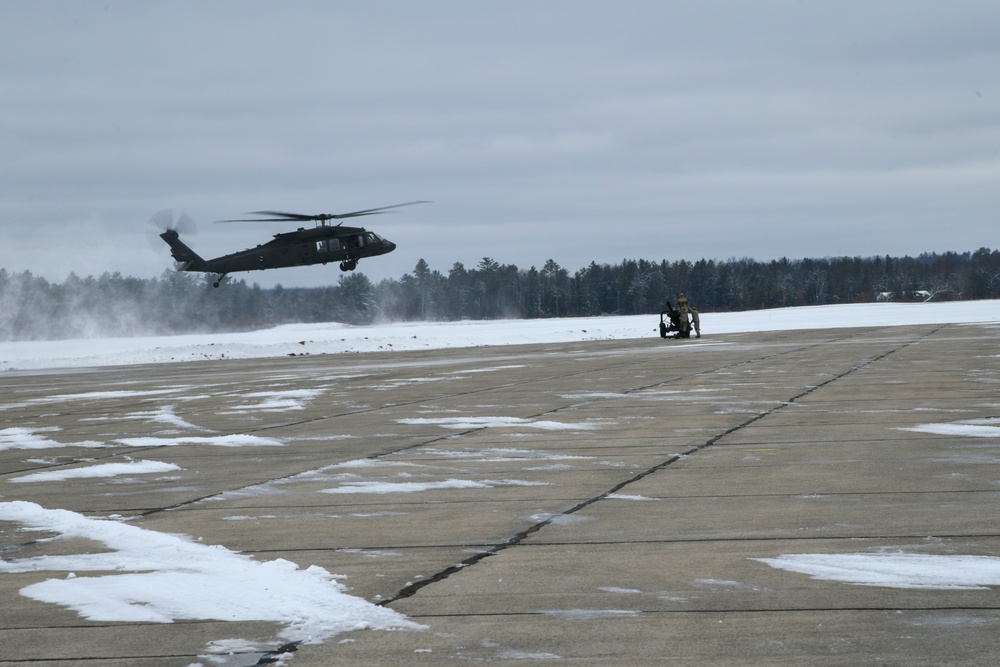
x,y
349,265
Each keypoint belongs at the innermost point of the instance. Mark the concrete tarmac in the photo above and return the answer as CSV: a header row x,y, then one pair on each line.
x,y
626,495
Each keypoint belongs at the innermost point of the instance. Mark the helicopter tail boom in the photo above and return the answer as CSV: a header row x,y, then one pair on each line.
x,y
187,258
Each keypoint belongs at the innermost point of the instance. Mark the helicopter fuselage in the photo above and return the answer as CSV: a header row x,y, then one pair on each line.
x,y
303,247
325,243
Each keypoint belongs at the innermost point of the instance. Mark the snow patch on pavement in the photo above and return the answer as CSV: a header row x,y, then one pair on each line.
x,y
895,570
155,577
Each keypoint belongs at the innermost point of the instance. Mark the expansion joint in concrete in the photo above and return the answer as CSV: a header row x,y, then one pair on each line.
x,y
515,540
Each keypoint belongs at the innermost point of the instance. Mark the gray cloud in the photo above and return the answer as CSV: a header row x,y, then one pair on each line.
x,y
573,130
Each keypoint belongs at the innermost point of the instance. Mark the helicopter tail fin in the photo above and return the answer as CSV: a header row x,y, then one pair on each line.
x,y
187,259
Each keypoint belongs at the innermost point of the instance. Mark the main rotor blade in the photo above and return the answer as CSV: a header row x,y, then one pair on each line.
x,y
371,211
285,217
299,217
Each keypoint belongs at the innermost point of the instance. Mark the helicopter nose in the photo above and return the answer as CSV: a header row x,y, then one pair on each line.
x,y
389,246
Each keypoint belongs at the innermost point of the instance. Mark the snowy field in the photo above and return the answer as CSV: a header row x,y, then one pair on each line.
x,y
336,338
154,577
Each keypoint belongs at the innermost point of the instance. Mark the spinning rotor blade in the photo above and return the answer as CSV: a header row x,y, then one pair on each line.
x,y
285,217
166,219
370,211
321,217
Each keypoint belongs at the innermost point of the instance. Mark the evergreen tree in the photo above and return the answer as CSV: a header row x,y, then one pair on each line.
x,y
116,305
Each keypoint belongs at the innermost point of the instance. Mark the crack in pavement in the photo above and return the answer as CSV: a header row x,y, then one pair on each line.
x,y
516,539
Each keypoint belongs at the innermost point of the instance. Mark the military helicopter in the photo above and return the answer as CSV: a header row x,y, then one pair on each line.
x,y
325,242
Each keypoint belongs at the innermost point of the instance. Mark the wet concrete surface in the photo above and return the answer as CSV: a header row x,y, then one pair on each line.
x,y
610,502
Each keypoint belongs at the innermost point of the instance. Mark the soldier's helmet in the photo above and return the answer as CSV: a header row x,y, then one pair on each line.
x,y
681,300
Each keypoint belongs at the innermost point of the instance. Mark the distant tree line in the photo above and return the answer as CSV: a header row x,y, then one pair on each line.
x,y
33,308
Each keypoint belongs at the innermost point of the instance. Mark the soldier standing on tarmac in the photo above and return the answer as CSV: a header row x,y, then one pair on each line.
x,y
684,307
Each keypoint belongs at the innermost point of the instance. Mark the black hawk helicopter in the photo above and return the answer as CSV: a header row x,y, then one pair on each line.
x,y
325,242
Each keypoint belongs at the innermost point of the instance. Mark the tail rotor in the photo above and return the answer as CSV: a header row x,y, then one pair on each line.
x,y
169,220
166,220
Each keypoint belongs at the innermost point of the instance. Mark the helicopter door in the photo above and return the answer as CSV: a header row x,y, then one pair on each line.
x,y
332,245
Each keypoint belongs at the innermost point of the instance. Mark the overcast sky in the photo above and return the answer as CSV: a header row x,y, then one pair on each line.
x,y
574,130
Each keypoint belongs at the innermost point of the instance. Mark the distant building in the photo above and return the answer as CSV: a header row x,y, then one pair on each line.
x,y
918,295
